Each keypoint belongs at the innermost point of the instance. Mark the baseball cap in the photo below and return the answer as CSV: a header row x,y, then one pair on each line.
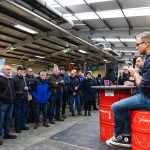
x,y
21,68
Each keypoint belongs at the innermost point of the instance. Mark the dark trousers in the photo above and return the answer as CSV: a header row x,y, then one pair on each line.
x,y
31,113
5,117
20,114
55,105
87,105
38,107
64,101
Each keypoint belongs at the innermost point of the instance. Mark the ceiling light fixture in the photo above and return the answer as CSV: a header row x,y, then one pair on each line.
x,y
82,51
21,27
40,56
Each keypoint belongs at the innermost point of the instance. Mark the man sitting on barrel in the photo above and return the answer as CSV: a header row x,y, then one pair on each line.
x,y
139,101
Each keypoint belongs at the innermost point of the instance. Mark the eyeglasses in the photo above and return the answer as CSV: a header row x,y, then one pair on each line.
x,y
137,44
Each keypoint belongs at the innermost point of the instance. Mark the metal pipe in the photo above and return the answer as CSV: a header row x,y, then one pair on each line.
x,y
70,23
59,28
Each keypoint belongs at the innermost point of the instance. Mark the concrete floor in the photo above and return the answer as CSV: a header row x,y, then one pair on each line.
x,y
75,133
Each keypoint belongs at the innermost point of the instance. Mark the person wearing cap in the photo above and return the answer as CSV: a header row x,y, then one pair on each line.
x,y
74,93
7,97
21,100
56,84
65,90
88,93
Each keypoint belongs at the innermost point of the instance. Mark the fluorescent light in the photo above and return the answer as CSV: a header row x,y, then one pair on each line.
x,y
21,27
140,11
40,56
128,40
104,60
94,1
51,2
71,2
112,40
98,39
107,48
72,63
110,14
87,16
82,51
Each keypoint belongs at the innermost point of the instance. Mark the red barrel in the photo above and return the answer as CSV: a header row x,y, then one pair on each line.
x,y
140,130
106,115
106,99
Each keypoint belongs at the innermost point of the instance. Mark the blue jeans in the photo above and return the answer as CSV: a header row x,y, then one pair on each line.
x,y
20,114
55,104
121,113
38,107
77,101
5,117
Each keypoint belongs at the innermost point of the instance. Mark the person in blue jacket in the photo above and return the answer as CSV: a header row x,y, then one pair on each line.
x,y
139,101
41,95
88,93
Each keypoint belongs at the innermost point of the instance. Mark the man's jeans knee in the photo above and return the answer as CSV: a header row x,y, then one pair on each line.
x,y
121,113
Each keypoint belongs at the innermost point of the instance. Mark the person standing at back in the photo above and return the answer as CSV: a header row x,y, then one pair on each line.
x,y
7,97
65,90
124,76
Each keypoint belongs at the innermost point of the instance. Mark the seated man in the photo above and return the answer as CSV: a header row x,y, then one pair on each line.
x,y
139,101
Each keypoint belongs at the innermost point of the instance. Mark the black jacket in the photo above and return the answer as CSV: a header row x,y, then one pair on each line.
x,y
123,78
56,88
145,82
21,94
31,82
74,82
88,92
7,91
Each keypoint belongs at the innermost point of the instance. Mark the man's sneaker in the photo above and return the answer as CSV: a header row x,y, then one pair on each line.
x,y
10,136
121,140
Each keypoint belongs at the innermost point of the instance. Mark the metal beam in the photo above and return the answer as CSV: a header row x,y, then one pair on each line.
x,y
109,33
93,9
124,48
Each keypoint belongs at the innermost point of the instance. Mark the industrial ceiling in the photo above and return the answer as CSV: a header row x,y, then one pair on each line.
x,y
55,31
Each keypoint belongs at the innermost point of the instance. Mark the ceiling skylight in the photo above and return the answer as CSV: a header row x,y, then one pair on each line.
x,y
87,16
95,1
70,17
71,2
110,14
128,40
112,40
141,11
